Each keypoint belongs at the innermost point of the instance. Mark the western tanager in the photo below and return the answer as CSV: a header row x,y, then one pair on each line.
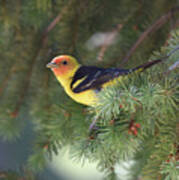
x,y
82,83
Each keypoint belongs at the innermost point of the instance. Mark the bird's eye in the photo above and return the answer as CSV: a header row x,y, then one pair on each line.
x,y
64,62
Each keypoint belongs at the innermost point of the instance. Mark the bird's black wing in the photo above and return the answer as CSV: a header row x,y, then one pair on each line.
x,y
91,77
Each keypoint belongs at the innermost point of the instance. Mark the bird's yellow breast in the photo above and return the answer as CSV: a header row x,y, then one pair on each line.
x,y
87,97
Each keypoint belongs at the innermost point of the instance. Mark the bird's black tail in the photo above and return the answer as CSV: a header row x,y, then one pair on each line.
x,y
151,63
146,65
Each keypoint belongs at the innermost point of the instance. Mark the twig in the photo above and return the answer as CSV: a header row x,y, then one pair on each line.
x,y
158,24
172,67
173,51
92,125
109,39
56,19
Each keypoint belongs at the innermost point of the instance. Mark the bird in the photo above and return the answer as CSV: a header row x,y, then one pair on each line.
x,y
83,83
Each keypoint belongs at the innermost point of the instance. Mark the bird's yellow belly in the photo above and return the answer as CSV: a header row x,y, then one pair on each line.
x,y
87,97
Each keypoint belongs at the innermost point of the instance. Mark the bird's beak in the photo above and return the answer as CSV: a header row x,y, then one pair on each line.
x,y
51,65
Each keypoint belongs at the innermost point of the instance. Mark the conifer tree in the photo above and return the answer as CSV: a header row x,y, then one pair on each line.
x,y
136,119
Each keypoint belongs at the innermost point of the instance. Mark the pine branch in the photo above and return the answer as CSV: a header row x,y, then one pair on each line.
x,y
42,44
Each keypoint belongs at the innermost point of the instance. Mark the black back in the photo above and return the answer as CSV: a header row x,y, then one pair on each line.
x,y
94,77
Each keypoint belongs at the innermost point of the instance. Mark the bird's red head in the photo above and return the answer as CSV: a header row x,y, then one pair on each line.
x,y
63,65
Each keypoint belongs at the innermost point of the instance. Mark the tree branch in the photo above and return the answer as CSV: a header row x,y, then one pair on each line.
x,y
154,27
